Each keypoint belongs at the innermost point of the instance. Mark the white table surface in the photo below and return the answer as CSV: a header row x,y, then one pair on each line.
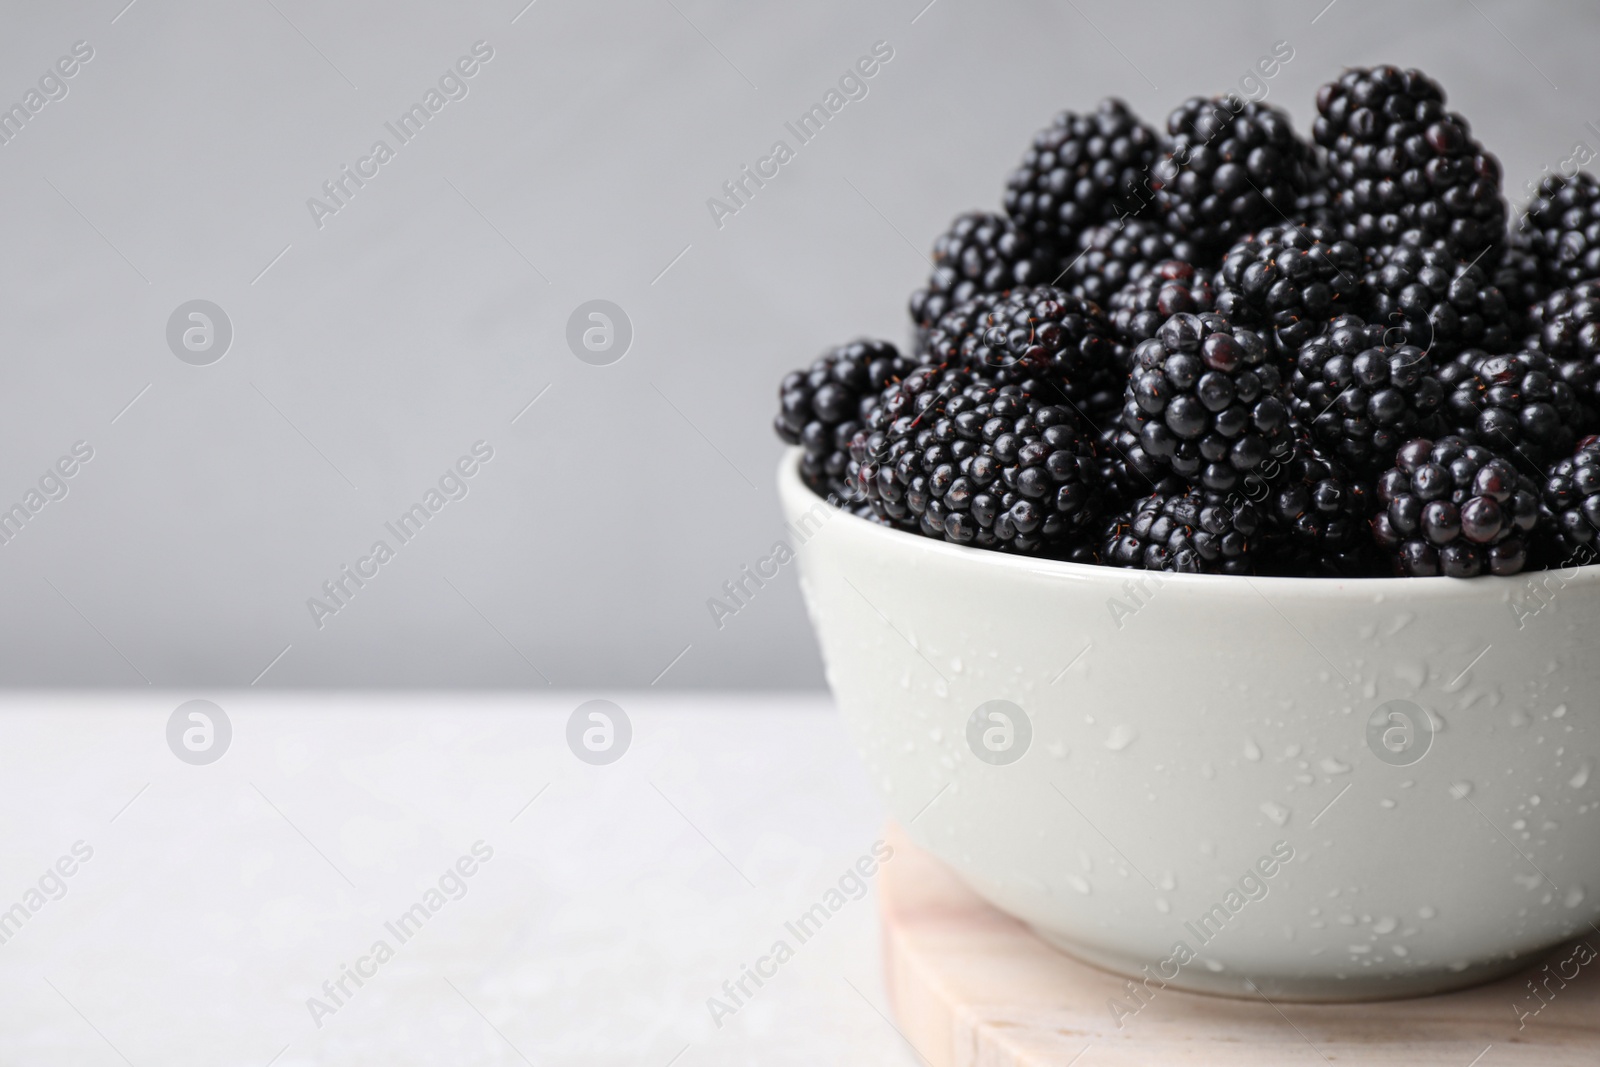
x,y
219,898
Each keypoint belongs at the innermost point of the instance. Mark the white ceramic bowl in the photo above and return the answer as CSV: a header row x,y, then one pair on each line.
x,y
1188,732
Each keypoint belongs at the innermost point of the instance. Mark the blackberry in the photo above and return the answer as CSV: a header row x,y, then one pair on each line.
x,y
1362,399
1039,332
1171,287
1128,472
1114,254
1189,532
1436,301
821,408
1081,170
1516,404
1233,167
1317,516
1572,498
1455,509
956,456
1561,229
1397,161
1291,279
1205,401
1567,325
980,253
1518,277
1316,206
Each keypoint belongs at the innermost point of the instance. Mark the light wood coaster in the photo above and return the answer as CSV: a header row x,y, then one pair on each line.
x,y
973,987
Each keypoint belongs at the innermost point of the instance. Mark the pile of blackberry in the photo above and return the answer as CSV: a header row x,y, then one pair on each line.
x,y
1224,347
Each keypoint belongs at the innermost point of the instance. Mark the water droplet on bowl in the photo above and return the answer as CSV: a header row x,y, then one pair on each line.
x,y
1581,779
1276,812
1121,737
1329,765
1574,896
1252,751
1461,790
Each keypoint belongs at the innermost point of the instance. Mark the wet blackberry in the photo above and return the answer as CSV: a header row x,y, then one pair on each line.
x,y
1397,161
822,408
1291,280
1037,332
1169,288
1112,255
1362,399
1233,167
1082,170
1453,508
959,457
980,253
1561,230
1516,404
1572,498
1567,328
1190,532
1434,300
1205,400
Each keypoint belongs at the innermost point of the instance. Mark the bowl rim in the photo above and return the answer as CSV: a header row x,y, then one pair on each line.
x,y
791,488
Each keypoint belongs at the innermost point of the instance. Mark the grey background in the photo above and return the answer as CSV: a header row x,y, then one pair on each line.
x,y
426,314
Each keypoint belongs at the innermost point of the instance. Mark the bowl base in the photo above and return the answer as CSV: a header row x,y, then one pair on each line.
x,y
1197,978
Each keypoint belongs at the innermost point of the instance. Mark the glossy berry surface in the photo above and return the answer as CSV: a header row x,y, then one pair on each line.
x,y
1205,401
980,253
1455,509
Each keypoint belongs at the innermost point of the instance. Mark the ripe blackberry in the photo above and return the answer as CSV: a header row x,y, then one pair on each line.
x,y
1397,160
1128,472
1316,206
1081,170
1572,497
1190,532
1114,254
956,456
1317,516
1455,509
1170,288
1518,277
1039,332
1362,399
1291,280
1205,401
1567,328
1434,300
821,408
980,253
1561,229
1233,167
1515,404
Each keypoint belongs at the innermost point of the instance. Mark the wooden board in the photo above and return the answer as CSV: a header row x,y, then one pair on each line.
x,y
972,987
